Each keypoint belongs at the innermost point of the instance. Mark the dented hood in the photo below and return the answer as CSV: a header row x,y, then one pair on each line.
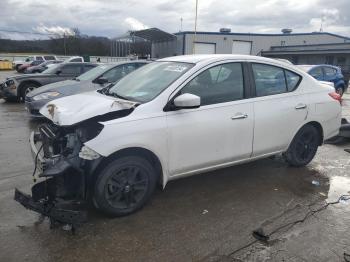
x,y
73,109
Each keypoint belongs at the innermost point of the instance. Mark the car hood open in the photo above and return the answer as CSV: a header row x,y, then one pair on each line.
x,y
74,109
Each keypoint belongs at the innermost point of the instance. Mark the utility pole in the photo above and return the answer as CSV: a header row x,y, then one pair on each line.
x,y
181,24
64,44
195,28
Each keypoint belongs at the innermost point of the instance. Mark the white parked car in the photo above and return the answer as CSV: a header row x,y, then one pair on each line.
x,y
176,117
74,59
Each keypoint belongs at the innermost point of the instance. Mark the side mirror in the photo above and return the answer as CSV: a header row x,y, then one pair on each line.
x,y
187,101
58,72
101,80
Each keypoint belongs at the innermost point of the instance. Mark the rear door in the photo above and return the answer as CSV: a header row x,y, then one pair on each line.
x,y
219,131
279,110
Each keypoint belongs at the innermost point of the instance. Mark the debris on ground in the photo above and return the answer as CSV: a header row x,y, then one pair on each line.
x,y
315,182
204,212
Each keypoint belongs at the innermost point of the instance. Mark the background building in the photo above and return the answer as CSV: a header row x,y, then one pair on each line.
x,y
299,48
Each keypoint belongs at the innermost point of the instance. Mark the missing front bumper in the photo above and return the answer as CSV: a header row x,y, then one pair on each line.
x,y
55,211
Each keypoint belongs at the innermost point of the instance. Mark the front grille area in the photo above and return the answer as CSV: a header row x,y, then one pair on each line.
x,y
50,141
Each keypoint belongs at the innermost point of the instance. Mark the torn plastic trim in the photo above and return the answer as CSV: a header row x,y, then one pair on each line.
x,y
88,154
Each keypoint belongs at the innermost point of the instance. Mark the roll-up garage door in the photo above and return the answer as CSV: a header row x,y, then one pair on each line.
x,y
241,47
204,48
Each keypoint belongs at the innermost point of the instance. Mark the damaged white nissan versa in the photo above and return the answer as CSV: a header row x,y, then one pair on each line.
x,y
175,117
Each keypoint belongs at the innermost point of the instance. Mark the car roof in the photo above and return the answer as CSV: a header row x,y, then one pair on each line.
x,y
127,62
219,57
78,63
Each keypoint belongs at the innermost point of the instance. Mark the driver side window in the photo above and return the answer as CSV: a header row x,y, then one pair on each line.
x,y
219,84
118,72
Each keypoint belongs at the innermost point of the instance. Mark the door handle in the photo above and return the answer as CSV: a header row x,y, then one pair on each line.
x,y
239,116
300,106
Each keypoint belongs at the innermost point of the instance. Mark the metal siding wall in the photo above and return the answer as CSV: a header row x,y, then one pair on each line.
x,y
165,49
259,42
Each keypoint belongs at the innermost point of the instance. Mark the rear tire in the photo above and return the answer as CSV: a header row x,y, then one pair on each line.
x,y
303,147
124,186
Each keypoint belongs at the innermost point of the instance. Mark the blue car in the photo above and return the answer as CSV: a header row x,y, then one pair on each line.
x,y
327,73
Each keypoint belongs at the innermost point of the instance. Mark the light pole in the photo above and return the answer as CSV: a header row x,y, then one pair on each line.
x,y
195,29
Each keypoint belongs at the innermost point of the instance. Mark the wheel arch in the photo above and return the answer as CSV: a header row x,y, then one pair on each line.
x,y
22,85
133,151
319,128
315,124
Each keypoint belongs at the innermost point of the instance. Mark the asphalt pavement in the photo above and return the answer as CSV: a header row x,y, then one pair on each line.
x,y
208,217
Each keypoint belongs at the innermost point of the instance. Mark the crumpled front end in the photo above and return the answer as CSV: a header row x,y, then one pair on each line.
x,y
63,169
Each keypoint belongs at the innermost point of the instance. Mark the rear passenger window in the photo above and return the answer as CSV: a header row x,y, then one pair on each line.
x,y
71,70
317,73
329,72
49,57
76,60
219,84
269,80
292,80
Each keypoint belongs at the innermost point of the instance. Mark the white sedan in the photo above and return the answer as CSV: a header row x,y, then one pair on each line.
x,y
181,116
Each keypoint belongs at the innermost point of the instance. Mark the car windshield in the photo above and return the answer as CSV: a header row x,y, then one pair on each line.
x,y
149,81
95,72
52,69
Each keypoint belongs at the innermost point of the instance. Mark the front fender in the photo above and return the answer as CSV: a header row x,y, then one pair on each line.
x,y
149,134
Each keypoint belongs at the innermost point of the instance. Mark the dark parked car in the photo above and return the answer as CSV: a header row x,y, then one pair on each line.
x,y
96,78
327,73
41,67
23,67
16,87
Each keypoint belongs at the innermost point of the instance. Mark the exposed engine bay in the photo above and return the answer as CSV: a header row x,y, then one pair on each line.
x,y
64,169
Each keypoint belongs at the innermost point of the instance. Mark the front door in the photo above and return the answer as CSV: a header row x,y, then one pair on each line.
x,y
220,130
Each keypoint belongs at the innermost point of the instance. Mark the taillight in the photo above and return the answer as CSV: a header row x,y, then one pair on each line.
x,y
335,96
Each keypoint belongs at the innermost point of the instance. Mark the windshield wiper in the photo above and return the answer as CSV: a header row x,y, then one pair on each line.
x,y
105,90
118,96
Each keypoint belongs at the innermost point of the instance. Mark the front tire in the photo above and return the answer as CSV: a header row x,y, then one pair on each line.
x,y
303,147
26,88
124,186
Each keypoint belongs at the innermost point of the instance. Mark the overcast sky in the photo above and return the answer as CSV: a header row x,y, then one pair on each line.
x,y
114,17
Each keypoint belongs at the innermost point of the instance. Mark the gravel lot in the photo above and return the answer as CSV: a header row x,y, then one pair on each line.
x,y
209,217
